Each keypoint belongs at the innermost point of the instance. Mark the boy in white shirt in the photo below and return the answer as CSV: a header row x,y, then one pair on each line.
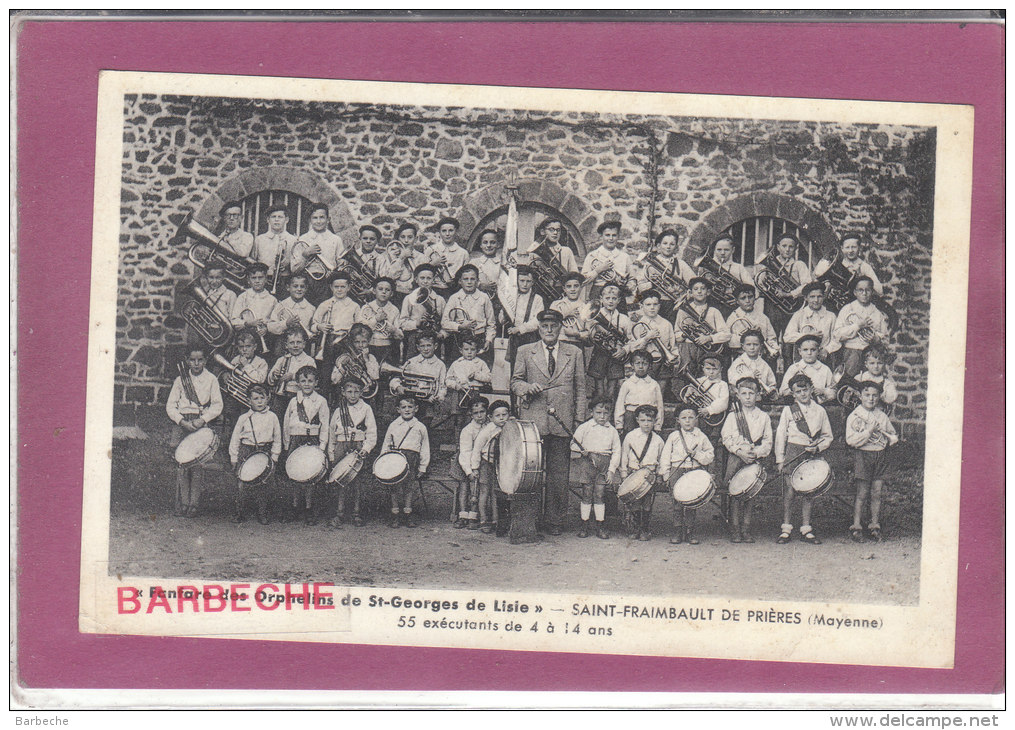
x,y
638,390
751,365
642,449
467,496
195,402
747,436
748,317
608,264
803,429
686,449
869,433
446,255
819,374
282,376
273,248
484,464
253,307
875,360
466,376
813,319
595,449
256,431
422,310
294,311
408,436
859,324
469,312
305,423
353,429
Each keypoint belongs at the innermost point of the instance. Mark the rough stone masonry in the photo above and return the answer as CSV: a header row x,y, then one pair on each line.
x,y
384,164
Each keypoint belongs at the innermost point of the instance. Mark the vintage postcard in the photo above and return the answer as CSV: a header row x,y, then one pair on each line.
x,y
527,369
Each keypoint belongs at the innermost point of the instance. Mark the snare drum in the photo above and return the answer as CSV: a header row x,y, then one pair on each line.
x,y
306,464
694,488
197,448
811,478
748,481
255,469
519,465
637,485
346,469
391,468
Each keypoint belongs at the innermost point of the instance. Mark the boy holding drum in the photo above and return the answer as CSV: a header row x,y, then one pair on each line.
x,y
195,401
643,448
256,431
353,429
305,424
803,429
747,436
686,450
409,437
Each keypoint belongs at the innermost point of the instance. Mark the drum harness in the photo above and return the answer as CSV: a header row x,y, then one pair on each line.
x,y
258,446
689,453
742,426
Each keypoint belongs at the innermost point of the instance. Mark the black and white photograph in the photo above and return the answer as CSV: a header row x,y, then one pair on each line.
x,y
592,345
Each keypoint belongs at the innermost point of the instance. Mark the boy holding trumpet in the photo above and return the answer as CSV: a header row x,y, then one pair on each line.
x,y
869,433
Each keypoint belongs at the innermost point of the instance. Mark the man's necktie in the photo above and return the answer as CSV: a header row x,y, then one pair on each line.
x,y
550,363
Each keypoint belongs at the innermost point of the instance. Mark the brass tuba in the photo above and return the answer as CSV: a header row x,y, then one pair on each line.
x,y
694,326
417,385
724,284
353,365
662,279
361,276
201,314
776,284
208,250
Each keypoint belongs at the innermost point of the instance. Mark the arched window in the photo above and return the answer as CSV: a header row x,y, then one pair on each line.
x,y
256,205
754,237
530,215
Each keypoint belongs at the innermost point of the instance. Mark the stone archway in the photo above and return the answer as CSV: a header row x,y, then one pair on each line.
x,y
579,214
776,205
295,180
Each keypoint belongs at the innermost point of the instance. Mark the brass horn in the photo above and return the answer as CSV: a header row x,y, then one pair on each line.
x,y
202,315
207,251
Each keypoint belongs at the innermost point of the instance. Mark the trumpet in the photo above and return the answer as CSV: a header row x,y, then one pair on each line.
x,y
694,326
276,378
278,266
655,346
202,315
353,365
661,277
234,381
208,251
582,315
417,385
316,268
877,437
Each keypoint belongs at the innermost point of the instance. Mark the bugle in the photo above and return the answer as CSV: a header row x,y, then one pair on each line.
x,y
662,279
250,320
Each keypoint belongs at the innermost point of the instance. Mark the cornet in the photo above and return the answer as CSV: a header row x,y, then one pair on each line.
x,y
865,329
655,346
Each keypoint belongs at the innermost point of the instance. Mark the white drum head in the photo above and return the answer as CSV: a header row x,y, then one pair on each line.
x,y
305,463
254,467
195,445
390,466
810,475
637,484
344,466
744,479
512,457
692,487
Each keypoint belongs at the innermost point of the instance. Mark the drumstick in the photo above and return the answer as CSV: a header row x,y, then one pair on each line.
x,y
569,432
795,458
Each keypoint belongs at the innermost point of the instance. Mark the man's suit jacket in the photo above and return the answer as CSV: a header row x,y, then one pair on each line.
x,y
564,391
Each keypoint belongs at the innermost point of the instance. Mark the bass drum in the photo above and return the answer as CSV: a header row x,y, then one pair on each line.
x,y
748,481
811,478
520,462
694,488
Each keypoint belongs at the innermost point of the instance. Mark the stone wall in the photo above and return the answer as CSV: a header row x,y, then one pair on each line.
x,y
382,165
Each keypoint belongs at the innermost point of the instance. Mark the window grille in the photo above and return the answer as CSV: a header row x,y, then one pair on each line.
x,y
754,237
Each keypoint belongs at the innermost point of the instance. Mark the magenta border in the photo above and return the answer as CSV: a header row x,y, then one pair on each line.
x,y
58,65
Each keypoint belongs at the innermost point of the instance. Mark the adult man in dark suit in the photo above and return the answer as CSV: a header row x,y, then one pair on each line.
x,y
550,375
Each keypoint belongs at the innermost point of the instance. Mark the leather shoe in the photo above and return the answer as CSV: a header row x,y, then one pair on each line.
x,y
554,530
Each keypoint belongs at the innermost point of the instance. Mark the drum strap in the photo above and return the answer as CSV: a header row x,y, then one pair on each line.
x,y
528,306
687,451
644,449
801,422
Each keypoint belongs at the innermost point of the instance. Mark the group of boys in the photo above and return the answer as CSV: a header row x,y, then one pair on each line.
x,y
449,304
